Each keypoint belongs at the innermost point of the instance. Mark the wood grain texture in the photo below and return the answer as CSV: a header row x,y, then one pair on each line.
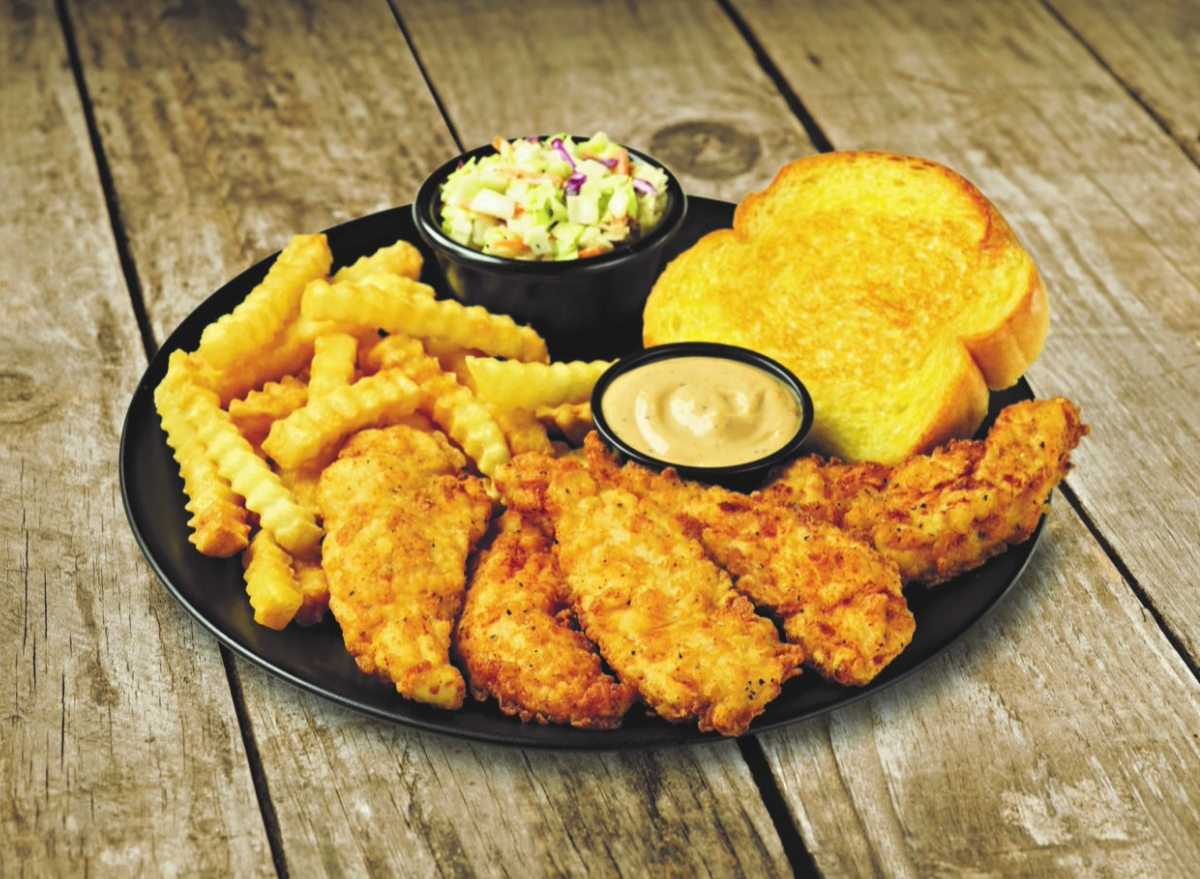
x,y
1153,48
1039,746
119,753
1058,739
673,78
230,127
370,798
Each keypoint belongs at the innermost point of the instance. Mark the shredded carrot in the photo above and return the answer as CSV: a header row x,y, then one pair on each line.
x,y
595,250
516,245
622,166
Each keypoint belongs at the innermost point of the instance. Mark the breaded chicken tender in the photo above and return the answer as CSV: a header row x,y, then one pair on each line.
x,y
665,617
516,641
938,515
401,519
836,597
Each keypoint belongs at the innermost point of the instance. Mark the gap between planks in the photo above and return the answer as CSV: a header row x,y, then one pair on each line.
x,y
798,856
120,239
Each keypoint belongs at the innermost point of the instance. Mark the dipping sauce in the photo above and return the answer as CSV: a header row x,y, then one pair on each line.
x,y
699,411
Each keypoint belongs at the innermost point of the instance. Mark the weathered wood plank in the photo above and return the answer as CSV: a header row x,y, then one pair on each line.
x,y
1106,202
1153,48
120,753
194,149
370,796
1015,754
202,97
673,78
230,128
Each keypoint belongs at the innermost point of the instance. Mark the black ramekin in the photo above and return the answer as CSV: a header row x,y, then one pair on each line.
x,y
569,299
739,477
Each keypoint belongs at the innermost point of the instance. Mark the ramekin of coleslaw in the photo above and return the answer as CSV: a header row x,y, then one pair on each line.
x,y
564,233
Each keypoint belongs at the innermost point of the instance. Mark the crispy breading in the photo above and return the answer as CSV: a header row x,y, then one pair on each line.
x,y
516,641
665,617
938,515
401,520
836,597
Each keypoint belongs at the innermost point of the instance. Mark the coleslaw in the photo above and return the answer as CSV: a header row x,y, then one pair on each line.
x,y
552,198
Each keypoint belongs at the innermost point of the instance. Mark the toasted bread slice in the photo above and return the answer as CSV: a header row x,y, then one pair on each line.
x,y
888,284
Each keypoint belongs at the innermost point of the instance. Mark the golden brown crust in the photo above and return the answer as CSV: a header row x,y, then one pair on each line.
x,y
1007,351
400,523
665,617
888,283
518,643
834,595
939,515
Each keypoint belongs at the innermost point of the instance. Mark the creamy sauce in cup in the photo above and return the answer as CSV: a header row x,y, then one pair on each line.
x,y
699,411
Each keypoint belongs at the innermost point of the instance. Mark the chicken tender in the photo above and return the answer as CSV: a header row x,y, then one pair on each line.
x,y
665,617
837,598
401,519
516,642
938,515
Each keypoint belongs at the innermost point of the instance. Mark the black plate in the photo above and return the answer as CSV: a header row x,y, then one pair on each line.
x,y
315,659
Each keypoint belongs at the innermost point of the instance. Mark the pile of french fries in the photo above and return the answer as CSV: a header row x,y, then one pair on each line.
x,y
312,356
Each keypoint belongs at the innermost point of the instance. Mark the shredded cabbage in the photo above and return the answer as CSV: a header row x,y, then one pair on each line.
x,y
552,198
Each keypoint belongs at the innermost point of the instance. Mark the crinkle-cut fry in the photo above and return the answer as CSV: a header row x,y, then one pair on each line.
x,y
522,430
271,582
261,316
286,354
371,354
303,481
218,524
314,592
414,315
311,330
393,284
401,258
309,432
388,352
293,525
392,352
573,420
333,363
530,385
452,406
259,409
451,355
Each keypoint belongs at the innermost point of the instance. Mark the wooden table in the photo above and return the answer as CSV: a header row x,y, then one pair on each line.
x,y
149,151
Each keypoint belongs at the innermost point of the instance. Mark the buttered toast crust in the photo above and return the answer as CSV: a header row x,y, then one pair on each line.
x,y
889,284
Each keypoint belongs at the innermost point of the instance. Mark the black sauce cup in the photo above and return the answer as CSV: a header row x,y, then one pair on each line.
x,y
583,307
743,477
